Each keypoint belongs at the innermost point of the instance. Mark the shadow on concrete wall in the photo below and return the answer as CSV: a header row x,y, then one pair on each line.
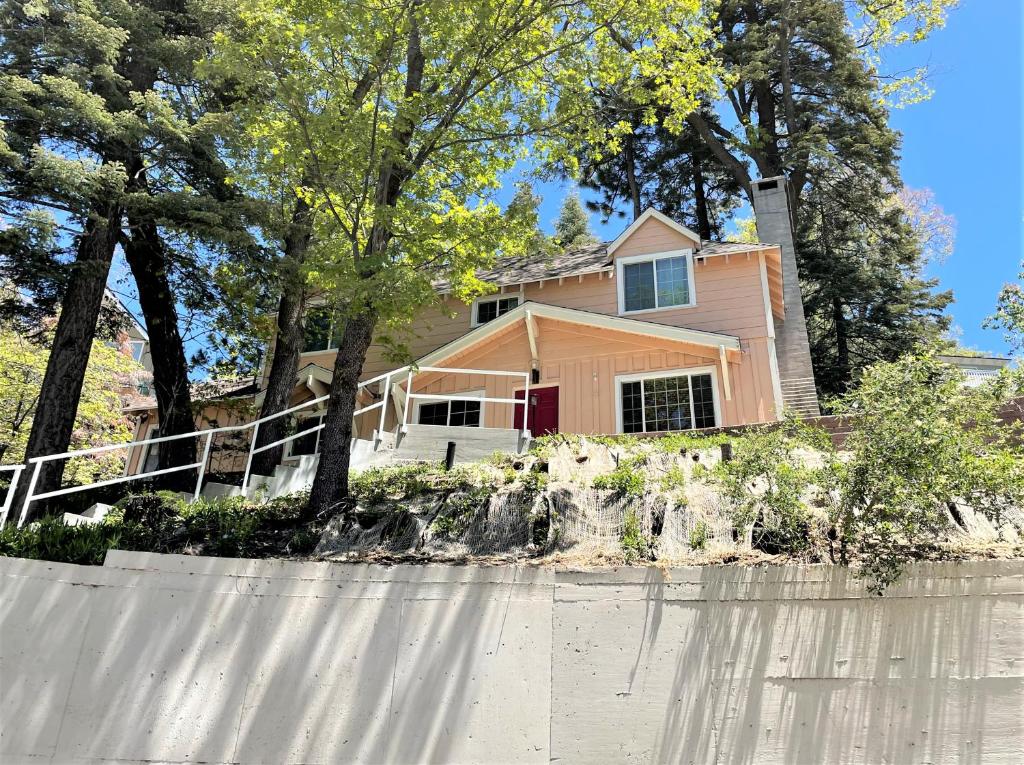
x,y
235,661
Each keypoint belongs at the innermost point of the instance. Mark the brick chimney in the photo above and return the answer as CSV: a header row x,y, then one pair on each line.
x,y
774,220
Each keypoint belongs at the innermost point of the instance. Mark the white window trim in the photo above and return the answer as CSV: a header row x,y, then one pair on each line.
x,y
491,299
141,345
318,413
620,264
152,431
469,393
688,371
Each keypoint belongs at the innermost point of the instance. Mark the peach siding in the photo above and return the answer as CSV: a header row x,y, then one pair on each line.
x,y
654,236
213,416
584,363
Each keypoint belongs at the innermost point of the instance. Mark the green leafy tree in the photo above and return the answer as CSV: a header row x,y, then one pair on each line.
x,y
401,119
108,142
670,170
99,420
922,442
863,288
804,95
1009,315
572,229
524,211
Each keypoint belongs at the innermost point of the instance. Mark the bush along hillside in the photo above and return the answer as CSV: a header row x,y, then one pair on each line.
x,y
928,471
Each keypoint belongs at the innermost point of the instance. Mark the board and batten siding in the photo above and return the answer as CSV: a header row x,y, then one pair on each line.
x,y
584,363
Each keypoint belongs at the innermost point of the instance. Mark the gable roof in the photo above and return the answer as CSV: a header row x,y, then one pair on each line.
x,y
577,316
647,214
592,259
119,305
596,258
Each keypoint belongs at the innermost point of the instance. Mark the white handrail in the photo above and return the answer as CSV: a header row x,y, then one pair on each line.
x,y
525,401
37,462
9,499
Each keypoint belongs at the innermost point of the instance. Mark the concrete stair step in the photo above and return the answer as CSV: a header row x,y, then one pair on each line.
x,y
214,490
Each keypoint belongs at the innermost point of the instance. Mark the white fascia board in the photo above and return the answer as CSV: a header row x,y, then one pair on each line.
x,y
649,213
586,318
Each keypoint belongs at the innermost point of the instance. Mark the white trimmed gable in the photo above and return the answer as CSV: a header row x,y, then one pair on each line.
x,y
651,218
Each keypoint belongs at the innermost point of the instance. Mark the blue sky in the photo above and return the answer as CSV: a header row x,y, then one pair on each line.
x,y
964,144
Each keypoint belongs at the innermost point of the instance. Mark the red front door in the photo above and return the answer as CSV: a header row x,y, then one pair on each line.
x,y
543,411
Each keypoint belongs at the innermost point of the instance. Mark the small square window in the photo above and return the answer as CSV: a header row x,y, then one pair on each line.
x,y
433,414
489,310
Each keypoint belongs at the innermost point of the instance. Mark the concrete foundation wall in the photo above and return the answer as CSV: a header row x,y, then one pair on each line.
x,y
177,659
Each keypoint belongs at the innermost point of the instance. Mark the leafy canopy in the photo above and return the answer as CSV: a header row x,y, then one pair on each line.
x,y
99,419
398,120
921,442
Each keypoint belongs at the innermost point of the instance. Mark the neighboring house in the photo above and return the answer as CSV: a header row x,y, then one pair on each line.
x,y
654,332
134,337
977,369
220,403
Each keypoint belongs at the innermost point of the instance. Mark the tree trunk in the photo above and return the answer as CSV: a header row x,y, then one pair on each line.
x,y
842,370
61,391
330,487
144,252
288,342
634,187
700,199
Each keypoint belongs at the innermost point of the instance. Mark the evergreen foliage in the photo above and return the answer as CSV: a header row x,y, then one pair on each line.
x,y
803,97
572,229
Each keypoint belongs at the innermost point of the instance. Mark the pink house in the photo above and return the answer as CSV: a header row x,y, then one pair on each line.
x,y
656,331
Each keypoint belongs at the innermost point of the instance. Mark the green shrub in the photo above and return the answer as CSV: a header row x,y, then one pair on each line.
x,y
51,539
768,484
627,478
379,484
920,442
699,536
229,527
636,546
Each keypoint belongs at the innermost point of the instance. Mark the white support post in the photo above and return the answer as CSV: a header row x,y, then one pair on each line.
x,y
202,465
383,409
408,401
248,462
526,406
28,495
12,489
725,372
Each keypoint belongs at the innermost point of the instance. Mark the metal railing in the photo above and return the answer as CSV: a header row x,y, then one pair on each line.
x,y
524,401
36,463
207,436
11,490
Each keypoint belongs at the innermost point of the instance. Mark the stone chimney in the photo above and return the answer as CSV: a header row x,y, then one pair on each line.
x,y
775,226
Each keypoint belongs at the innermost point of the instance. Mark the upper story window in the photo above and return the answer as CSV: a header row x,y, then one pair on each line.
x,y
323,330
655,282
490,308
137,347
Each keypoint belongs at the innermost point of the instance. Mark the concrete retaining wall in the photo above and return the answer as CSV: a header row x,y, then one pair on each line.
x,y
173,659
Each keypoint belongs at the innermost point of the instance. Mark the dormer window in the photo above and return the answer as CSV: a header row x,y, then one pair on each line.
x,y
490,308
322,330
655,282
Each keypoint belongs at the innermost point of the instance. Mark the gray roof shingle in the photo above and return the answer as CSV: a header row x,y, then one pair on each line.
x,y
584,260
